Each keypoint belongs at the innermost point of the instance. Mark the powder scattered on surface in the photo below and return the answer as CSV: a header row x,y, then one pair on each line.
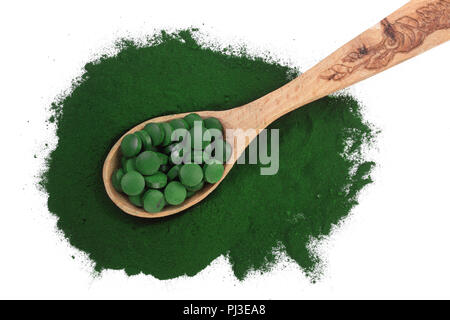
x,y
322,166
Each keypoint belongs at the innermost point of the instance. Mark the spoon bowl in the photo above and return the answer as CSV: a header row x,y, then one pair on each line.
x,y
112,163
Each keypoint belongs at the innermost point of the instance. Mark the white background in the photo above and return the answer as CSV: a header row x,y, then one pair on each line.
x,y
394,245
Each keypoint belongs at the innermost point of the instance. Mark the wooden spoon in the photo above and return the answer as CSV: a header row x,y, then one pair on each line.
x,y
414,28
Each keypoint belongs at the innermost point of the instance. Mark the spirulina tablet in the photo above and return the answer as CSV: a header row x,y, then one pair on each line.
x,y
153,201
129,165
190,118
131,145
175,193
191,174
156,132
189,194
177,156
136,200
168,129
145,138
168,150
173,172
197,187
179,135
116,177
175,149
179,124
213,172
148,162
132,183
164,158
213,123
218,151
156,181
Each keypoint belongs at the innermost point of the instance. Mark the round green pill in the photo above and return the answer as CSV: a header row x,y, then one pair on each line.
x,y
191,174
218,151
173,172
145,138
174,150
129,165
168,150
156,132
136,200
164,168
213,172
156,181
131,145
116,178
148,163
190,118
197,187
180,135
213,123
132,183
179,124
177,156
167,128
164,158
175,193
153,201
189,194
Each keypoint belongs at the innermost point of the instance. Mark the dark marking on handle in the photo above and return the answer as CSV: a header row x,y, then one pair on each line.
x,y
402,36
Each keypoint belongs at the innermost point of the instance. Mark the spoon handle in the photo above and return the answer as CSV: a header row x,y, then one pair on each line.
x,y
414,28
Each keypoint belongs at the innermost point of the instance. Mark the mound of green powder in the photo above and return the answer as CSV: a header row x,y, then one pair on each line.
x,y
322,166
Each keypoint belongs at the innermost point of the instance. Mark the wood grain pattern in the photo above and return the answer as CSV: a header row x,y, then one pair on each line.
x,y
416,27
401,36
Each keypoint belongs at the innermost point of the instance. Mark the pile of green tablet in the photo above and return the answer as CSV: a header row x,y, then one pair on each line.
x,y
168,162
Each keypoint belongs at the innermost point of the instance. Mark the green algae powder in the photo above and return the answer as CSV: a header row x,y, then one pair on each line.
x,y
322,166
